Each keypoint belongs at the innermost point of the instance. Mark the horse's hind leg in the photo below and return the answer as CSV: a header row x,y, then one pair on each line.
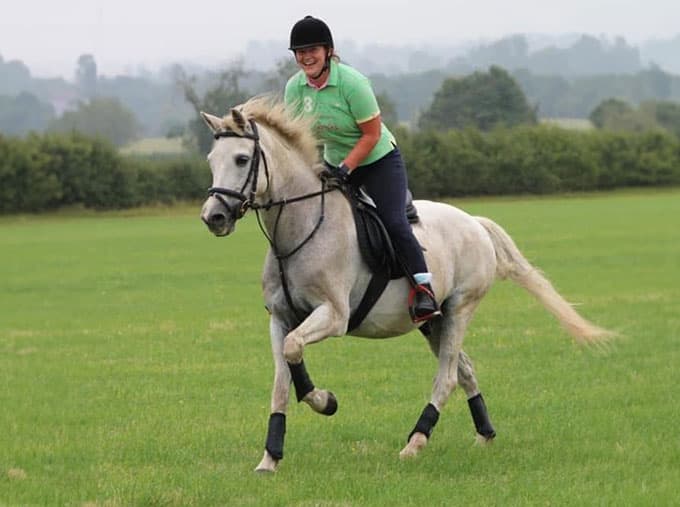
x,y
468,381
446,341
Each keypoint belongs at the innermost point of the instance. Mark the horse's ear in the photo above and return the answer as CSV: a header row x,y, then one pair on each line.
x,y
213,122
238,118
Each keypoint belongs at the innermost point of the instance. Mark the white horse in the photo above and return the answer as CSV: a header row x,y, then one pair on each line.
x,y
314,276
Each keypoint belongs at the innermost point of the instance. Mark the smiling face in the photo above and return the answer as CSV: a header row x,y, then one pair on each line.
x,y
311,60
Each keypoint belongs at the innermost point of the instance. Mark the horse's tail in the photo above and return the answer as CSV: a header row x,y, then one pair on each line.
x,y
512,264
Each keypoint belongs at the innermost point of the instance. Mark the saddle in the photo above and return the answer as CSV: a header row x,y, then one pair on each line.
x,y
376,249
375,244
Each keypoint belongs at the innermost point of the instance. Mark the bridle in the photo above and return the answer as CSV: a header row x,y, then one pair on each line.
x,y
248,202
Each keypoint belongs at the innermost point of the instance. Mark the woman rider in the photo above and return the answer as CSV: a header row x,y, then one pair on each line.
x,y
358,147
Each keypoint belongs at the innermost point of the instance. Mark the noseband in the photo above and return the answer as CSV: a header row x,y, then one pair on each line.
x,y
247,201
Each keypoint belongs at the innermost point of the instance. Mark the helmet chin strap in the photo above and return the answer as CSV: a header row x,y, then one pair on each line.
x,y
325,67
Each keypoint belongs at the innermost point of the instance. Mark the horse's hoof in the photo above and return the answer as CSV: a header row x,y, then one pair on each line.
x,y
484,439
331,405
322,401
267,465
416,444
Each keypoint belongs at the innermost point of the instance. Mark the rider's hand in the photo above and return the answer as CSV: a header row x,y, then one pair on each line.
x,y
339,172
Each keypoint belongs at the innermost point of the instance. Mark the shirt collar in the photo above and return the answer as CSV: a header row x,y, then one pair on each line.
x,y
332,77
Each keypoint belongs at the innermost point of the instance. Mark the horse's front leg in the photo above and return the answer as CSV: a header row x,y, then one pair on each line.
x,y
279,402
323,322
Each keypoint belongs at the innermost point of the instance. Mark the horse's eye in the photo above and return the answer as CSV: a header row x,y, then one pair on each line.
x,y
241,160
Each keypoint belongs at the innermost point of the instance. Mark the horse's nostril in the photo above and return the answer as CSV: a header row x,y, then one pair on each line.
x,y
217,219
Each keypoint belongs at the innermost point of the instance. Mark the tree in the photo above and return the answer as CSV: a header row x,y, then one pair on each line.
x,y
24,113
217,99
608,109
86,76
482,100
549,94
668,115
14,77
617,115
388,110
410,91
511,52
275,82
659,83
101,117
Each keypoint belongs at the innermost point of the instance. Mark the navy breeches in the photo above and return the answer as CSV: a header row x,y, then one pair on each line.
x,y
386,182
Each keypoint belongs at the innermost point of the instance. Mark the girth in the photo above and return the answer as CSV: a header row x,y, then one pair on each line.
x,y
377,251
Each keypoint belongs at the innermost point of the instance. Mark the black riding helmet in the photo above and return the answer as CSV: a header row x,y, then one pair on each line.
x,y
310,32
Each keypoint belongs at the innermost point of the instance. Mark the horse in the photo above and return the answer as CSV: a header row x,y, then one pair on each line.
x,y
265,158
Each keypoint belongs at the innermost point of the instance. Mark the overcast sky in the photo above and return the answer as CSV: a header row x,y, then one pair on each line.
x,y
49,35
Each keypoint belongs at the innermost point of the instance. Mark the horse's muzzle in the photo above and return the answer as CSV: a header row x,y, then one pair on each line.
x,y
218,219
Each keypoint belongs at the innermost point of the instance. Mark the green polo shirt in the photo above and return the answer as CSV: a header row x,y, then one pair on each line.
x,y
338,108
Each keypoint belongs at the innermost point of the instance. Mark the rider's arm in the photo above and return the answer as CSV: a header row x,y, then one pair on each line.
x,y
370,135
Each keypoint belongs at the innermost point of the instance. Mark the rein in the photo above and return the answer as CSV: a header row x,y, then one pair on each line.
x,y
248,202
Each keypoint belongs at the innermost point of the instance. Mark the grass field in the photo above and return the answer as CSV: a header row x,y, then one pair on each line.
x,y
154,146
569,123
135,369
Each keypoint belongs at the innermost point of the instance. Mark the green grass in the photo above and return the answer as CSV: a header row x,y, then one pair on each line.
x,y
569,123
135,370
154,146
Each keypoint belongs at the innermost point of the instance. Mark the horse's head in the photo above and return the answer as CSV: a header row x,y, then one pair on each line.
x,y
235,161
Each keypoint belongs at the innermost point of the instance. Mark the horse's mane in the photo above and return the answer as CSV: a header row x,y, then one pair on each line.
x,y
295,130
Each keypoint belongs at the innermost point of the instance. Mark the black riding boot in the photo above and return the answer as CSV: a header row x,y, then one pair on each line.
x,y
422,304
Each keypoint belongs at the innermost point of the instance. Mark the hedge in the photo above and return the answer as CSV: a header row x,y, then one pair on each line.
x,y
43,172
536,160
